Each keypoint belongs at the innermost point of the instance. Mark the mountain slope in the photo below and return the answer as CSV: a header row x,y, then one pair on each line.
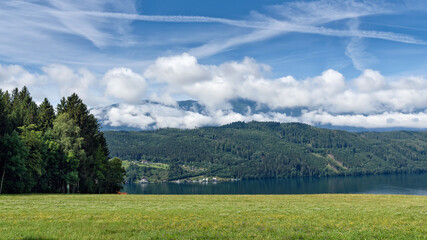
x,y
269,149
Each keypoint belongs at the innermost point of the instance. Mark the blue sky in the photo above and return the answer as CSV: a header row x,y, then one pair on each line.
x,y
118,51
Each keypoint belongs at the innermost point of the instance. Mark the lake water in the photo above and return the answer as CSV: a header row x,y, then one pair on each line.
x,y
412,184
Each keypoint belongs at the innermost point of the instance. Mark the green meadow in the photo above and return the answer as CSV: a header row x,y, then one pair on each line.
x,y
213,217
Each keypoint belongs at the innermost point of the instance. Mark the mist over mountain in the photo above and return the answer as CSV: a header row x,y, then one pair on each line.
x,y
189,114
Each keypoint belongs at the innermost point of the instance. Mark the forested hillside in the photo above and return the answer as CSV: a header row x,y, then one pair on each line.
x,y
265,150
44,151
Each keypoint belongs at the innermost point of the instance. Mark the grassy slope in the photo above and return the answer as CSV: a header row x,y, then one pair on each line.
x,y
212,217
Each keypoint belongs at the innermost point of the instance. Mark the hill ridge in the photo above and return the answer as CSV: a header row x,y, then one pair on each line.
x,y
269,149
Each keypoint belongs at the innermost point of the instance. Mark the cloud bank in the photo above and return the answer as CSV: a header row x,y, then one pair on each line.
x,y
154,116
215,85
370,100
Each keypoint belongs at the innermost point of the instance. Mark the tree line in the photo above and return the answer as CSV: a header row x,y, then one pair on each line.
x,y
48,151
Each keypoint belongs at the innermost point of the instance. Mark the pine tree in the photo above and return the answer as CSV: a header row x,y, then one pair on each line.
x,y
46,115
24,110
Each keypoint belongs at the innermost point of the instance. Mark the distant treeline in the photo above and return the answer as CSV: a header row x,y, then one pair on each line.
x,y
269,150
47,152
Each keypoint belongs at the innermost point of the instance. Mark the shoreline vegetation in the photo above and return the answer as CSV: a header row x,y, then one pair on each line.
x,y
323,216
160,173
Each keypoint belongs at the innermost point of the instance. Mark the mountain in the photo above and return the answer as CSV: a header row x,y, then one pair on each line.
x,y
266,150
150,115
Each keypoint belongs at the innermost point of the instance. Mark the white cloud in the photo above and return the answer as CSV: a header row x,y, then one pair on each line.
x,y
330,82
129,116
164,98
212,85
383,120
152,116
124,84
215,85
369,81
56,81
69,81
14,76
370,100
180,69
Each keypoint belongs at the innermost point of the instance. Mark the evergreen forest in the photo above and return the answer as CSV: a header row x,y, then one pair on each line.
x,y
48,151
266,150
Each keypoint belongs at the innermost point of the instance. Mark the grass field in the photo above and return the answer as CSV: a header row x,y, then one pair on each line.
x,y
213,217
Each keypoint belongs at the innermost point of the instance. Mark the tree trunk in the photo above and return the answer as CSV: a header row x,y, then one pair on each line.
x,y
2,176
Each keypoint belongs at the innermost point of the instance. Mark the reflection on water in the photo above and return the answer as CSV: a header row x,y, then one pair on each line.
x,y
412,184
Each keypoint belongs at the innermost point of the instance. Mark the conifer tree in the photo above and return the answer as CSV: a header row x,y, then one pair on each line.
x,y
46,115
24,110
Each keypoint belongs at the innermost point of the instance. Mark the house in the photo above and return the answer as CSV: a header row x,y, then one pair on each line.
x,y
143,180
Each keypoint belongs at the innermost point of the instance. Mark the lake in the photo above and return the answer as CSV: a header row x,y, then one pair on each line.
x,y
408,184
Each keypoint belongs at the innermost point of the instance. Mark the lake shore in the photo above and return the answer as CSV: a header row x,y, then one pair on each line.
x,y
322,216
398,184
